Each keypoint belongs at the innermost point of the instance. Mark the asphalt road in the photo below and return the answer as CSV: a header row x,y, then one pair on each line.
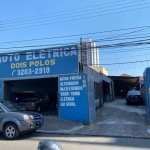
x,y
30,142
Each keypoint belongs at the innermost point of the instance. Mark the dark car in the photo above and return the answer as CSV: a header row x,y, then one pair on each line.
x,y
14,120
31,100
134,97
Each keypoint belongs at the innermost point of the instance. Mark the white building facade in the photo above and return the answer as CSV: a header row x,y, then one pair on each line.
x,y
90,53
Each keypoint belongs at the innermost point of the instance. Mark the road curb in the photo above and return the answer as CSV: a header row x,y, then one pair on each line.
x,y
92,135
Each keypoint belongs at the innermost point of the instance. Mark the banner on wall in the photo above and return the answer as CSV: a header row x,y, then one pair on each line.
x,y
42,62
73,100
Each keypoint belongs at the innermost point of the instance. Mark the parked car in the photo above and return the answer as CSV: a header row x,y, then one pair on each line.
x,y
14,120
31,100
134,97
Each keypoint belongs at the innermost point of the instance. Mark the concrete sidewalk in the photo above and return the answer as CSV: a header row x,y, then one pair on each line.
x,y
114,119
54,125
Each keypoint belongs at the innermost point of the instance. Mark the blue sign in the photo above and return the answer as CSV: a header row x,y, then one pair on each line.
x,y
73,101
42,62
147,92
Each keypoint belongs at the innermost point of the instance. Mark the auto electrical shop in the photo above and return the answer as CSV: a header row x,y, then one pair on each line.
x,y
55,71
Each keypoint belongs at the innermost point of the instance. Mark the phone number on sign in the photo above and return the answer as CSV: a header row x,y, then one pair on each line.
x,y
36,71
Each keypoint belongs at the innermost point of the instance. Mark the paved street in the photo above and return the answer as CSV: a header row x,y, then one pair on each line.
x,y
115,119
30,142
118,119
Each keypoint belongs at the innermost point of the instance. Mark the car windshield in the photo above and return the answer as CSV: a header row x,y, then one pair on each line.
x,y
133,93
10,106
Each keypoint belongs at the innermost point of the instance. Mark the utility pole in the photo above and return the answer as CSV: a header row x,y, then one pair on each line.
x,y
81,63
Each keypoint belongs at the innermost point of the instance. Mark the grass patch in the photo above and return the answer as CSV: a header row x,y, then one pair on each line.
x,y
85,123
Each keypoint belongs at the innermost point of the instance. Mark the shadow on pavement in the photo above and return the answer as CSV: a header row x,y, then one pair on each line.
x,y
86,140
93,140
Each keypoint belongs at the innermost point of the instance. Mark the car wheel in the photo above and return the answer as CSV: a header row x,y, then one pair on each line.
x,y
127,103
38,109
10,131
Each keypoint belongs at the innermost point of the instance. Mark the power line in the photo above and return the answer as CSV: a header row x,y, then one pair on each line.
x,y
102,40
132,43
125,57
50,45
69,41
52,42
141,42
121,65
129,34
64,11
77,18
89,10
107,39
126,65
123,36
124,62
78,49
134,62
97,40
79,35
119,39
124,50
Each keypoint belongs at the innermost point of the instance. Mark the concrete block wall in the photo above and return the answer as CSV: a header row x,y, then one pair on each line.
x,y
97,76
93,76
91,98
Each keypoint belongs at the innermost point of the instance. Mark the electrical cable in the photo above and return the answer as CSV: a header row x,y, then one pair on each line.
x,y
102,46
126,50
32,21
63,11
106,51
97,40
105,39
129,65
125,57
121,37
124,62
79,35
120,65
75,19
